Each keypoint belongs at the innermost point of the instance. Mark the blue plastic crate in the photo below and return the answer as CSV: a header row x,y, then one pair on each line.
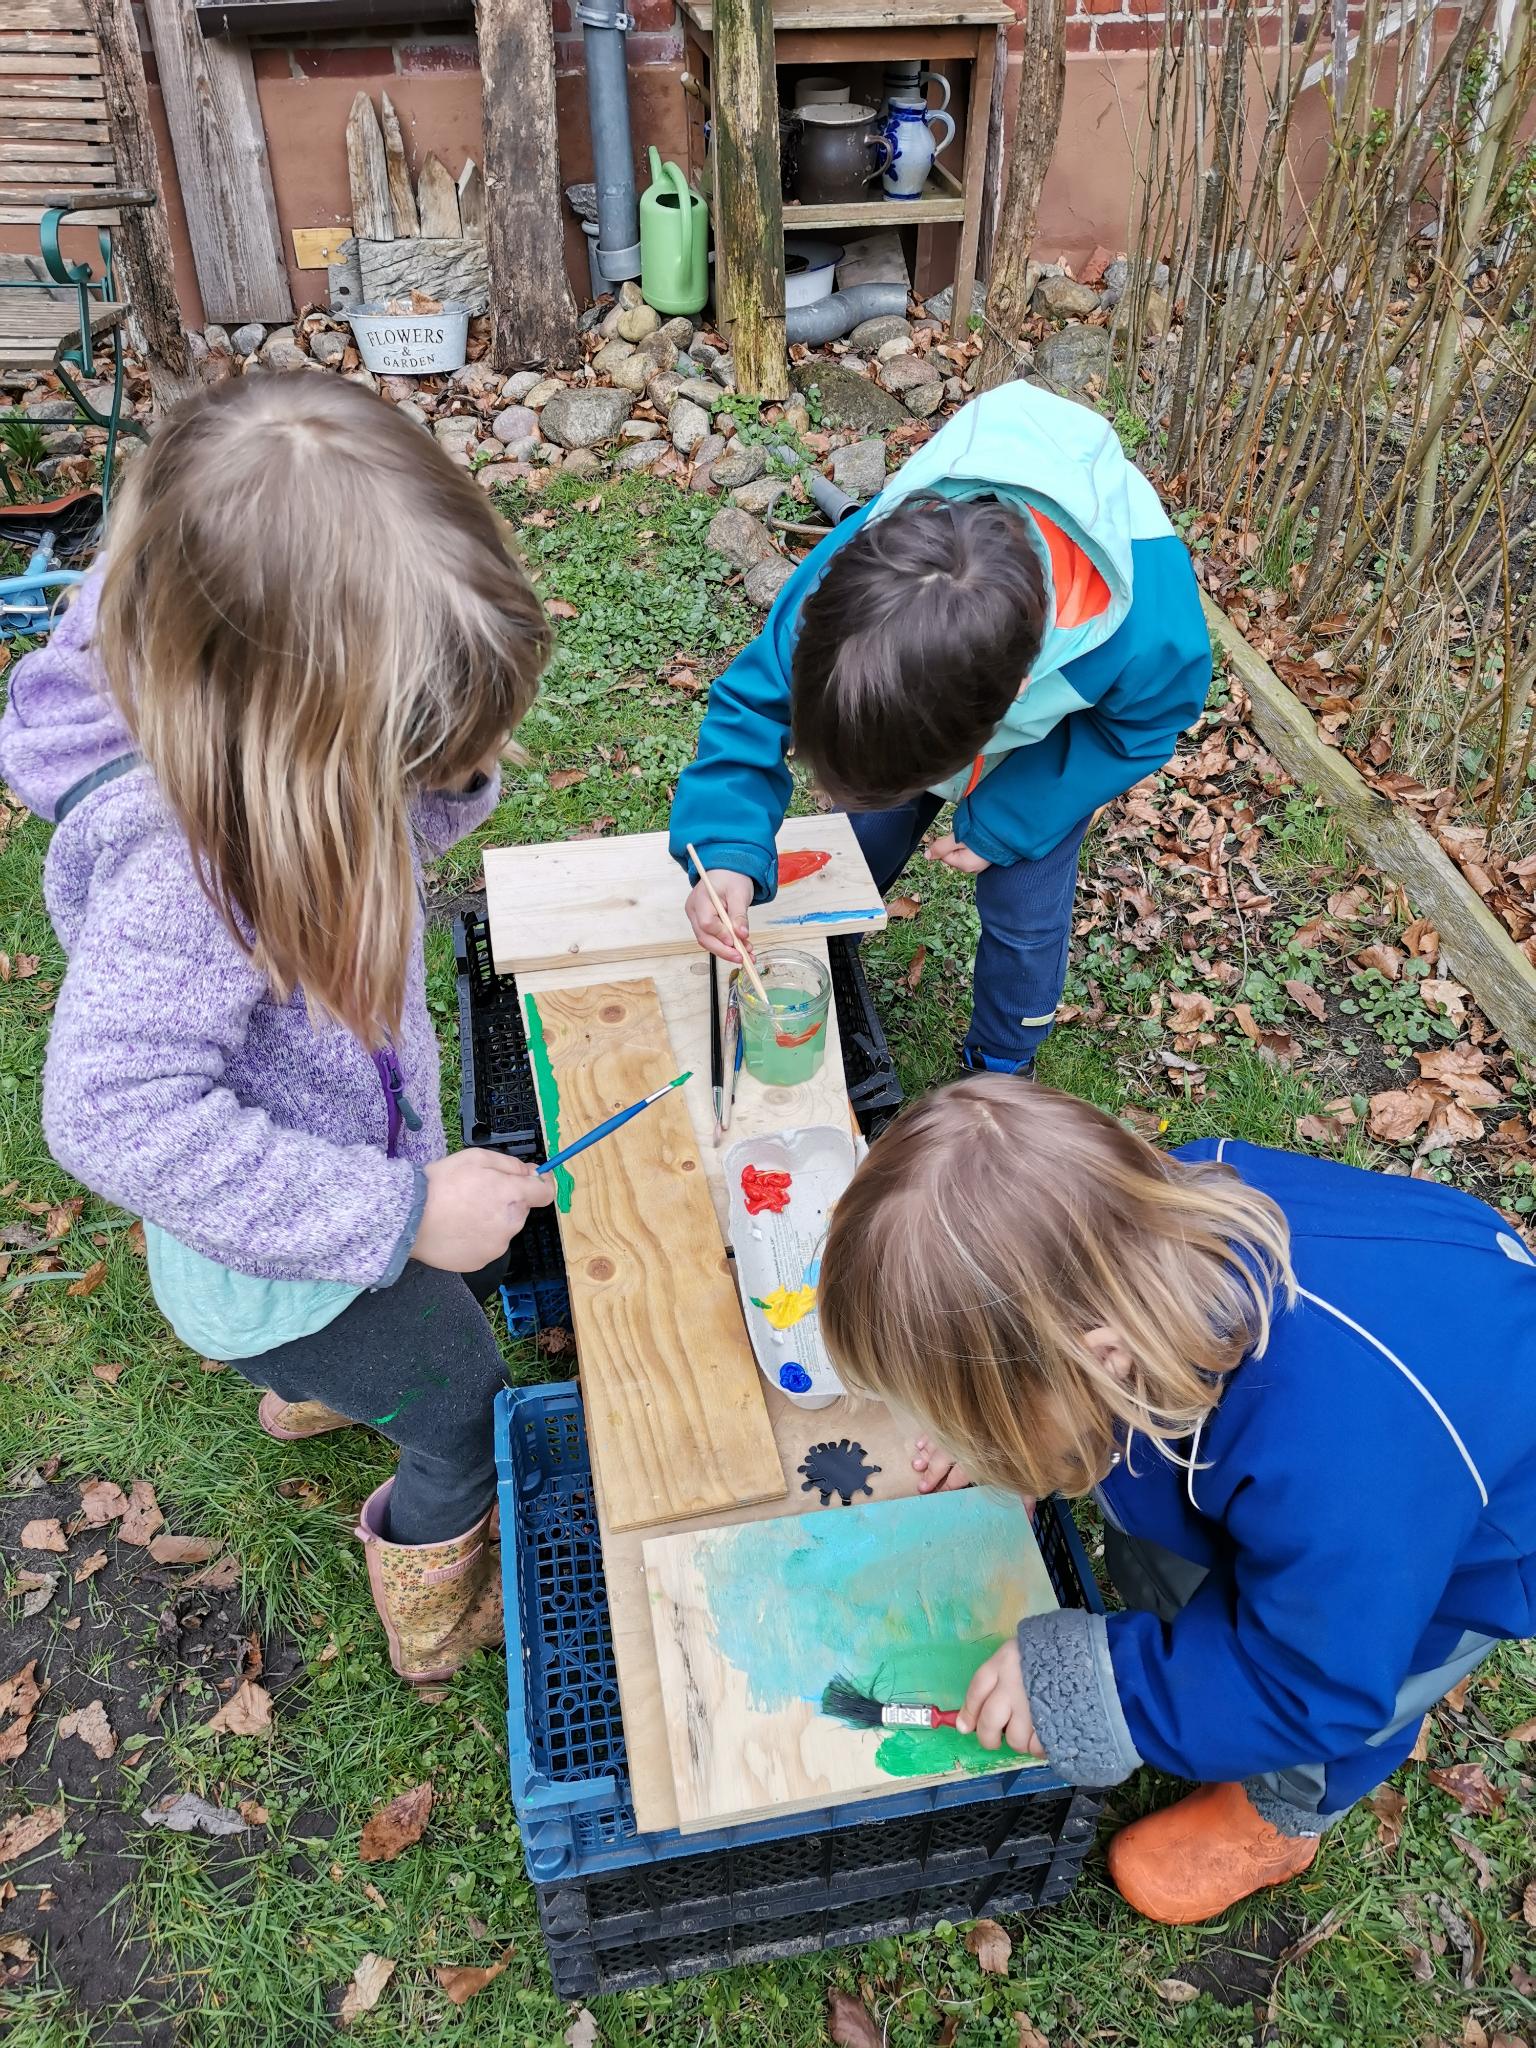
x,y
565,1735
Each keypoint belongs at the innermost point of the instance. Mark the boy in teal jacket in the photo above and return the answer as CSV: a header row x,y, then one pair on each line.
x,y
1011,627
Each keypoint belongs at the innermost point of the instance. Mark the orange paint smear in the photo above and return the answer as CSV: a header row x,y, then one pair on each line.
x,y
762,1190
794,867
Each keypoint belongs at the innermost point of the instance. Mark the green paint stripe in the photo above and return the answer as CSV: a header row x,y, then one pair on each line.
x,y
547,1088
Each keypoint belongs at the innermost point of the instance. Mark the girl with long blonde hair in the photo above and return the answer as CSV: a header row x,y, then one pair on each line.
x,y
293,679
1305,1398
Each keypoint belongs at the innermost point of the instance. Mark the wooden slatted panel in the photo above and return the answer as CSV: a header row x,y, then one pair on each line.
x,y
31,128
16,63
57,177
77,91
15,216
34,149
64,43
53,133
46,14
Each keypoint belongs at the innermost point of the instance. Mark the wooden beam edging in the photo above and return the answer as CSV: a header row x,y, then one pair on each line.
x,y
1501,980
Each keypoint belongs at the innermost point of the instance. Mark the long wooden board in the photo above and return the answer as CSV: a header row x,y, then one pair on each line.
x,y
752,1621
594,900
674,1400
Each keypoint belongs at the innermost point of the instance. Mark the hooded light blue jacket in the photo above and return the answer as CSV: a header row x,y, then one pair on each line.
x,y
1125,664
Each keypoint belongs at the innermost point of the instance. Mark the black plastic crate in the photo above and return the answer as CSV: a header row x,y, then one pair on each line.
x,y
620,1909
497,1106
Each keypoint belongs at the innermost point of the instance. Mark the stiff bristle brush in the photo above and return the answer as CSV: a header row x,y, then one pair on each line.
x,y
846,1702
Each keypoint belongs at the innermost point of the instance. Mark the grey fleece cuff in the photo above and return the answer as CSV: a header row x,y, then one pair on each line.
x,y
1073,1699
407,1238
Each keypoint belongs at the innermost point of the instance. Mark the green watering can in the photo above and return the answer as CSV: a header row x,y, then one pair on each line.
x,y
674,241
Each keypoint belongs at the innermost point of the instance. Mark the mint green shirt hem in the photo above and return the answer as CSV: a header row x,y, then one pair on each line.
x,y
229,1316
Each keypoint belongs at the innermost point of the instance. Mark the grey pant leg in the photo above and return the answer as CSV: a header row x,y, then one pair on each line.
x,y
1293,1800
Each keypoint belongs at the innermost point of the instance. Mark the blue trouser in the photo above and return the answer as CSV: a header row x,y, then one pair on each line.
x,y
1026,926
1307,1796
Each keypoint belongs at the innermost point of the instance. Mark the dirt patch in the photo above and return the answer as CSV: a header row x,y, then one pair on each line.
x,y
155,1652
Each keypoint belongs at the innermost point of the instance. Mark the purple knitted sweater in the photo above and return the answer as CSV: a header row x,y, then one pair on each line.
x,y
176,1085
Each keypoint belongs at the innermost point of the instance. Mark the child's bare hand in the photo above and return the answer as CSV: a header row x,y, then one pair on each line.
x,y
736,893
936,1470
476,1204
953,855
996,1708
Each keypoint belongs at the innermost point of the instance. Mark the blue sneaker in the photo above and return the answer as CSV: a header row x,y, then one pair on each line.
x,y
984,1063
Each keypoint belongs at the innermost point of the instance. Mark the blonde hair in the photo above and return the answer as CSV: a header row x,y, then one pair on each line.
x,y
997,1224
309,618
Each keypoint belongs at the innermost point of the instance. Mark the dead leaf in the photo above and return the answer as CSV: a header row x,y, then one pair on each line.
x,y
27,1831
90,1279
220,1576
1320,1130
1174,1991
187,1814
1468,1785
1304,993
460,1982
89,1724
991,1945
395,1827
948,2031
1389,1806
182,1549
582,2032
109,1375
914,972
1528,1905
1476,1858
17,1957
1419,1753
1456,1698
102,1502
37,1589
19,1695
1397,1113
567,778
253,1813
143,1517
1524,1732
1030,2035
1420,1962
557,608
848,2023
366,1988
1446,998
1460,1069
133,1239
248,1711
45,1534
1387,960
904,906
1188,1009
1349,905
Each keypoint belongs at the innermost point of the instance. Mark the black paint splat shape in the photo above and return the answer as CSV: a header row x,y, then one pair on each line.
x,y
837,1468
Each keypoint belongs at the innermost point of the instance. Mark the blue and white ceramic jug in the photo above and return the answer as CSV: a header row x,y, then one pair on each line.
x,y
916,134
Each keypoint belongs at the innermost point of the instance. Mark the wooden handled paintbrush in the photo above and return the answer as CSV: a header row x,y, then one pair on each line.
x,y
612,1123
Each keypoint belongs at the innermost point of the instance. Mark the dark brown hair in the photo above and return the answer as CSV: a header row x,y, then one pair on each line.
x,y
913,645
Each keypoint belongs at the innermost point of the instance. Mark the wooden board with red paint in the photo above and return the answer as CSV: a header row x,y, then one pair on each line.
x,y
582,902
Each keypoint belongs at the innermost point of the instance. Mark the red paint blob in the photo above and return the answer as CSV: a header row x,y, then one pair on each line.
x,y
794,867
761,1190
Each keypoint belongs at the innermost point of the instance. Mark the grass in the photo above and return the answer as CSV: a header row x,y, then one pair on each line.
x,y
253,1941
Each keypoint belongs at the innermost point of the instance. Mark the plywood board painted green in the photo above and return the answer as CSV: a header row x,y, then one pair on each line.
x,y
576,901
905,1597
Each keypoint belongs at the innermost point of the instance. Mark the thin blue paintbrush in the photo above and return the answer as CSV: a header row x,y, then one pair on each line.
x,y
611,1124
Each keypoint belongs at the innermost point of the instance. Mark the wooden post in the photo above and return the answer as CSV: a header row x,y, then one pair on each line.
x,y
533,316
1042,86
141,242
749,217
209,91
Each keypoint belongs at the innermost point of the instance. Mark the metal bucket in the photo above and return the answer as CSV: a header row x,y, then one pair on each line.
x,y
411,344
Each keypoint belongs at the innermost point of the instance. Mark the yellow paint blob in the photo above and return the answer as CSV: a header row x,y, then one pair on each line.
x,y
786,1305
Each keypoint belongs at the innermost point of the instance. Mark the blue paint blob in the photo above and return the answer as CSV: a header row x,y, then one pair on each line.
x,y
827,917
794,1378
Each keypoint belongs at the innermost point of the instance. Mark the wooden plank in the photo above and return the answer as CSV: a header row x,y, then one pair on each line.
x,y
867,15
1473,944
12,215
871,46
437,200
402,200
472,198
57,177
933,204
749,226
673,1397
37,128
63,43
992,172
752,1622
597,900
142,245
682,987
37,149
533,316
977,106
17,66
49,14
373,214
58,95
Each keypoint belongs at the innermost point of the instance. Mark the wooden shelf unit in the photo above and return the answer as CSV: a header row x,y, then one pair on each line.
x,y
828,34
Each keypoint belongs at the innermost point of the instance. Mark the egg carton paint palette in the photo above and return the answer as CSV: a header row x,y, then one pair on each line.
x,y
782,1189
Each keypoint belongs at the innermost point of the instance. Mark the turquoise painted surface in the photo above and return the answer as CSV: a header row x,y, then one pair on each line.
x,y
905,1597
826,916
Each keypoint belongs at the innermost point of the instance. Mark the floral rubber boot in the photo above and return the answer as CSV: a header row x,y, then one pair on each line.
x,y
439,1602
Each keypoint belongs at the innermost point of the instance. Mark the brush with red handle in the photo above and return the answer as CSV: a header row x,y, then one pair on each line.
x,y
855,1708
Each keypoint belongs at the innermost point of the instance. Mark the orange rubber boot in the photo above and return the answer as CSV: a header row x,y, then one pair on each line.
x,y
1195,1859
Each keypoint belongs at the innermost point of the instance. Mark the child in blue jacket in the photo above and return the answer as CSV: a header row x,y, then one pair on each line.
x,y
1011,627
1305,1397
